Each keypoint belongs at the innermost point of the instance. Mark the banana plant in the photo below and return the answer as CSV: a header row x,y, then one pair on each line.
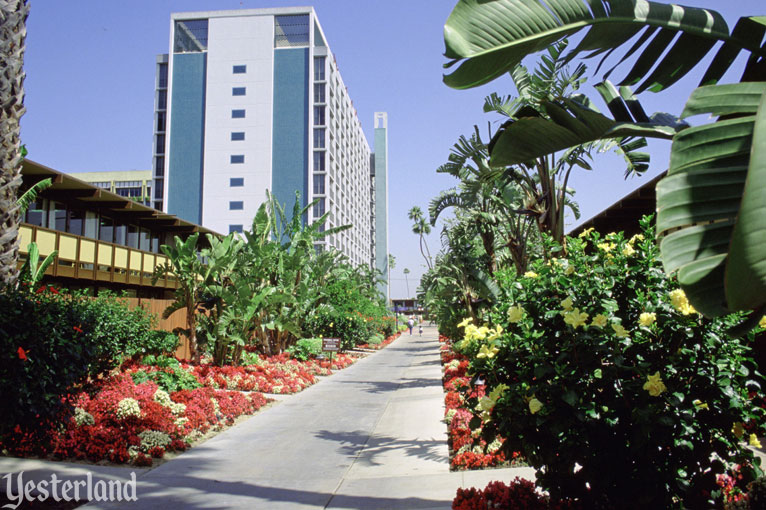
x,y
712,195
33,270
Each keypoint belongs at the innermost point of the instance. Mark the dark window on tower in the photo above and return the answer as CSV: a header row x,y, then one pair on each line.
x,y
237,158
237,136
237,182
236,205
241,69
238,114
238,91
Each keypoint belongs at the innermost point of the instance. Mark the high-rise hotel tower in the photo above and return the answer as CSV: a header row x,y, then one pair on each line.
x,y
251,100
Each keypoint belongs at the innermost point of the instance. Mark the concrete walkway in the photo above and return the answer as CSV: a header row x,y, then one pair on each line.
x,y
367,437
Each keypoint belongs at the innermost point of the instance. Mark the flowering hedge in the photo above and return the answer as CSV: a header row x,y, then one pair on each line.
x,y
609,383
51,342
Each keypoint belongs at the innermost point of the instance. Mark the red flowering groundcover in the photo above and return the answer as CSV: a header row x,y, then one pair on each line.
x,y
468,450
520,494
275,374
126,422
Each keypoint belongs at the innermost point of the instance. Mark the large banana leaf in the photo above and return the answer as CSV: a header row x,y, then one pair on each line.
x,y
568,122
711,207
488,38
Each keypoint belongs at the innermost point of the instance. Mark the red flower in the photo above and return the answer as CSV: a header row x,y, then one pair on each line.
x,y
77,328
22,354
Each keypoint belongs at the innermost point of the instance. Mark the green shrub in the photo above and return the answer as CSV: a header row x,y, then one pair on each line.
x,y
376,339
171,376
154,342
351,328
598,361
250,358
51,343
306,348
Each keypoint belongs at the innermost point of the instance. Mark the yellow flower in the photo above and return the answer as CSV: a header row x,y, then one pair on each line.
x,y
495,333
738,429
620,331
487,352
599,321
534,405
628,251
762,322
585,232
647,319
465,322
567,304
530,274
680,302
569,270
700,405
654,384
481,333
576,318
515,313
637,237
607,247
487,403
754,441
332,324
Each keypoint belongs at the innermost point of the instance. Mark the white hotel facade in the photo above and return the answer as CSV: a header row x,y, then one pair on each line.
x,y
252,100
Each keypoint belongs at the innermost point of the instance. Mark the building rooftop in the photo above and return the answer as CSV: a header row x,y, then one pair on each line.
x,y
70,188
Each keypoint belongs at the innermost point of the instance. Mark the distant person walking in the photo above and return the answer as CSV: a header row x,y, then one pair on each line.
x,y
420,330
410,323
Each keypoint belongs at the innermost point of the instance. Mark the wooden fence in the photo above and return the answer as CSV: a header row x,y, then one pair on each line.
x,y
177,320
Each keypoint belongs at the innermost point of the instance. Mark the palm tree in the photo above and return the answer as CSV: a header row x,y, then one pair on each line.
x,y
13,16
422,228
406,272
391,266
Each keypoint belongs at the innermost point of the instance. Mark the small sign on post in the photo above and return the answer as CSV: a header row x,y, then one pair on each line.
x,y
330,345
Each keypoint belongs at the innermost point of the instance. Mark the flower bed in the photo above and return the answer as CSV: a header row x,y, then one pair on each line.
x,y
518,495
125,422
275,374
468,450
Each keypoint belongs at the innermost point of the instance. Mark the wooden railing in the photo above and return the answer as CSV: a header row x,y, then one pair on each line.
x,y
90,259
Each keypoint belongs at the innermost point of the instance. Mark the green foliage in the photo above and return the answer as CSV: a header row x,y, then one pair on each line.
x,y
608,381
376,339
54,342
170,376
306,348
351,328
154,342
251,358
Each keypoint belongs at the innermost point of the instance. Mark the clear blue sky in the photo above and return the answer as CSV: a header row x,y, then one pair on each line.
x,y
90,77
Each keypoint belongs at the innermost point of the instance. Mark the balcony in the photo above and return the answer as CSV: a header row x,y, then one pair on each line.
x,y
89,259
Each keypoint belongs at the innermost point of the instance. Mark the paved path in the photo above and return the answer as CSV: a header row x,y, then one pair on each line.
x,y
367,437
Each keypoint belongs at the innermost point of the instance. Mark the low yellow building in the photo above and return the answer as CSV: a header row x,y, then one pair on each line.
x,y
104,240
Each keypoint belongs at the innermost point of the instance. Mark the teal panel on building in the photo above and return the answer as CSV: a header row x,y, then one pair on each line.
x,y
187,136
289,157
381,202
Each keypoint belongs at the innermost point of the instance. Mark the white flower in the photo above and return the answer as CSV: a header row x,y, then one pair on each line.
x,y
128,407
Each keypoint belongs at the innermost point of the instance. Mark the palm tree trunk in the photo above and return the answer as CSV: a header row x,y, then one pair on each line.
x,y
13,16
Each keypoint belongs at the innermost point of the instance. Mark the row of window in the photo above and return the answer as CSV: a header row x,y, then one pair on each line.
x,y
63,218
